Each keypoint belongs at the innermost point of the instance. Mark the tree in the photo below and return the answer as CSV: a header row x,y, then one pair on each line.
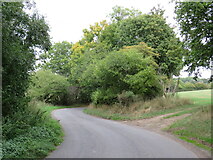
x,y
21,35
119,13
90,40
128,28
195,21
57,59
49,87
130,69
154,31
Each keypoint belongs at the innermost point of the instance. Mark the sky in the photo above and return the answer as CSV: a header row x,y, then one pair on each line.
x,y
67,18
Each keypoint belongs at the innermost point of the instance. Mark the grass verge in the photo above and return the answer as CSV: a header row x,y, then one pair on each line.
x,y
140,110
196,128
32,134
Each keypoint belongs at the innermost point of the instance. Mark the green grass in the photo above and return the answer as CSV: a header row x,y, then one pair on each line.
x,y
196,128
185,111
200,97
36,140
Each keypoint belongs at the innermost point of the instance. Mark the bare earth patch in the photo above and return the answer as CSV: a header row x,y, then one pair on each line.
x,y
156,124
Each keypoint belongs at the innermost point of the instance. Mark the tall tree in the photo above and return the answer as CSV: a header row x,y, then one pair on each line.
x,y
21,35
120,13
57,59
195,20
155,32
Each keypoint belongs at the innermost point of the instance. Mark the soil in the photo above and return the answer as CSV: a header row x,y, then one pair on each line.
x,y
157,124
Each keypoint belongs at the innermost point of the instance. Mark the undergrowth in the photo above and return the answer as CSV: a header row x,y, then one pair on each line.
x,y
30,133
139,110
196,128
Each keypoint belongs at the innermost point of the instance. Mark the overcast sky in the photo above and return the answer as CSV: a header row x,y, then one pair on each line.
x,y
67,18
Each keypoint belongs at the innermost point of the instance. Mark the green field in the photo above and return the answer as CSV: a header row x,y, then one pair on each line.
x,y
200,97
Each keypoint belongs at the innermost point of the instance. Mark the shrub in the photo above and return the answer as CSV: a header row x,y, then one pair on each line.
x,y
49,87
126,98
102,77
128,69
189,86
101,96
30,133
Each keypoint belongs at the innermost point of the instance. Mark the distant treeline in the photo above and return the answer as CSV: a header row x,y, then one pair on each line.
x,y
189,84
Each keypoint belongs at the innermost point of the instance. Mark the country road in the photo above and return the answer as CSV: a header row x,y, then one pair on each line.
x,y
90,137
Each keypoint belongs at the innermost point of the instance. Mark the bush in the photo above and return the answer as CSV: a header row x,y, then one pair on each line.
x,y
49,87
129,70
126,98
101,96
30,133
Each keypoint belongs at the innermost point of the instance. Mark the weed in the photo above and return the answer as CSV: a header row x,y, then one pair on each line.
x,y
140,109
196,127
32,133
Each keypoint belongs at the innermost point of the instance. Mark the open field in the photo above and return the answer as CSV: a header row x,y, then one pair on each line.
x,y
200,97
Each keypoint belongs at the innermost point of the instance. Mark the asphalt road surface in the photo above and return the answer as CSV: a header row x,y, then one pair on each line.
x,y
90,137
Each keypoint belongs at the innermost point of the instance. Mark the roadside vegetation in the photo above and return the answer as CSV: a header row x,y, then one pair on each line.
x,y
123,68
32,133
140,109
197,127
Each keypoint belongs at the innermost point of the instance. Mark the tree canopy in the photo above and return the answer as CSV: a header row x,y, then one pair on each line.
x,y
21,35
195,21
57,59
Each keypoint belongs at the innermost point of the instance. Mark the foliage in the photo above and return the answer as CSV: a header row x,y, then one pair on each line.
x,y
21,35
49,87
151,29
189,84
195,20
129,27
89,42
57,59
102,96
119,13
33,135
126,98
131,68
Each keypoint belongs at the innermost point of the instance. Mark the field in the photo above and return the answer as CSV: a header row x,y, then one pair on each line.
x,y
200,97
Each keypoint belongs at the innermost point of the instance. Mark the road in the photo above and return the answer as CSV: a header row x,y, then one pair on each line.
x,y
90,137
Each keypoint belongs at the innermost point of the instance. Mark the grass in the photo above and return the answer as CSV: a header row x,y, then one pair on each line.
x,y
200,97
196,128
140,110
37,140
